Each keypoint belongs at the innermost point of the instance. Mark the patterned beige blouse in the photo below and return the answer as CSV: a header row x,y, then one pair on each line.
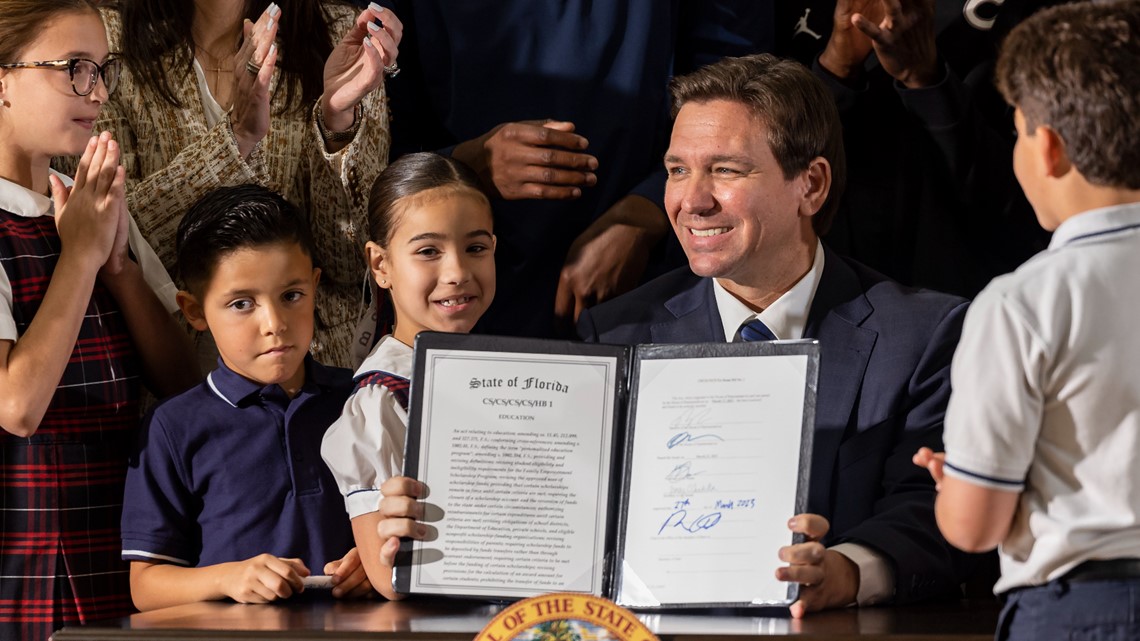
x,y
172,158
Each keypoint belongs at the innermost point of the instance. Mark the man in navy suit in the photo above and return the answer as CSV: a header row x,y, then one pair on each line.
x,y
756,167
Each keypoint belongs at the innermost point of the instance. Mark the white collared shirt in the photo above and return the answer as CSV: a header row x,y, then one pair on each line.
x,y
21,201
787,318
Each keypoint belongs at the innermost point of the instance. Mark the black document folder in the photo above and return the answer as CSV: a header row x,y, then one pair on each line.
x,y
660,476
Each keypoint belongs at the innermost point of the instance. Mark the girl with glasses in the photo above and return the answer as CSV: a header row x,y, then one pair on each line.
x,y
291,97
85,316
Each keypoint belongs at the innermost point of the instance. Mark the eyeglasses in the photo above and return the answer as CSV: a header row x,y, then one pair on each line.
x,y
84,73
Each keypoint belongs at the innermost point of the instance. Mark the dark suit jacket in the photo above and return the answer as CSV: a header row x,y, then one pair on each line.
x,y
884,382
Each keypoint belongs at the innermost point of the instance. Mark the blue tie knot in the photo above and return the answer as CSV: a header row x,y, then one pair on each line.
x,y
756,330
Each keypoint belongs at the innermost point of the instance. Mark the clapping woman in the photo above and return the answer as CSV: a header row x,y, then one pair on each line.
x,y
222,92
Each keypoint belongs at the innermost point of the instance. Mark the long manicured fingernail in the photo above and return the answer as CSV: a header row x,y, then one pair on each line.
x,y
272,50
368,42
269,25
376,8
274,9
372,26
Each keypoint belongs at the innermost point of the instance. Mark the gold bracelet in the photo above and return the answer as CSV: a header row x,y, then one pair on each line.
x,y
338,136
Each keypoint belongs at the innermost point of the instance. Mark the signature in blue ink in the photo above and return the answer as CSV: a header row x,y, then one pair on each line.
x,y
703,522
682,472
684,438
691,418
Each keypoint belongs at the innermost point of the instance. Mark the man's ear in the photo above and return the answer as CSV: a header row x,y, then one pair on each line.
x,y
378,264
316,277
1051,150
816,186
192,310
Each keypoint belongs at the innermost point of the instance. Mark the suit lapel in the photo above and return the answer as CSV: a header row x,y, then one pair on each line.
x,y
837,313
695,316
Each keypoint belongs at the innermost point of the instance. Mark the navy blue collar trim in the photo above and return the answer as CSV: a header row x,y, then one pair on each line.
x,y
982,477
1103,232
235,388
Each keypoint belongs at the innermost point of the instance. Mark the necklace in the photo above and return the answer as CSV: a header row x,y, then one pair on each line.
x,y
217,67
214,66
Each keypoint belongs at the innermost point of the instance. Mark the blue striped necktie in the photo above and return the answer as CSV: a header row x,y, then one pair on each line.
x,y
756,330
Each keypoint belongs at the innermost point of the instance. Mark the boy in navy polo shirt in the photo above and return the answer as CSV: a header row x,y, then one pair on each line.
x,y
228,496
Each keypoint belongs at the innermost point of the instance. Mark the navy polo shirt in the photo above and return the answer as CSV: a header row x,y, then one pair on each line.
x,y
231,469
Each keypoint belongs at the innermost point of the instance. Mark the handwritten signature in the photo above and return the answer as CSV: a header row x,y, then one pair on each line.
x,y
702,522
691,418
684,438
738,504
682,472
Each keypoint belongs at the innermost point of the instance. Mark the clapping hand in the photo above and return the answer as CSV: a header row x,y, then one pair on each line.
x,y
90,217
253,69
356,66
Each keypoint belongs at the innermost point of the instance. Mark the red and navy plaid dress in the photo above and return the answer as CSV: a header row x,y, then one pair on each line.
x,y
60,547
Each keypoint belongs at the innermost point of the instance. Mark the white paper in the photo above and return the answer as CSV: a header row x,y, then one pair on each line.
x,y
516,453
716,461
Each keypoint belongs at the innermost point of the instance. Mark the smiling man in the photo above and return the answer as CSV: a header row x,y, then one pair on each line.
x,y
756,167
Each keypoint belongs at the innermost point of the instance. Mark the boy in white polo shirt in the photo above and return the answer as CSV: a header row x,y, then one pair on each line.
x,y
1043,429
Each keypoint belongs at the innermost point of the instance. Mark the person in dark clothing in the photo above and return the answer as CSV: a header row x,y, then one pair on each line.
x,y
931,199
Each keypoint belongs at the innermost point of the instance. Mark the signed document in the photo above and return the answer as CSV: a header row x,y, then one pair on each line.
x,y
661,476
714,474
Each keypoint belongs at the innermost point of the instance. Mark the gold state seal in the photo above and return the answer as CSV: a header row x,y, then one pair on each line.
x,y
565,616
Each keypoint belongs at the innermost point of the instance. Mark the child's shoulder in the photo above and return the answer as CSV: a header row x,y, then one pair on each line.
x,y
331,379
390,356
185,407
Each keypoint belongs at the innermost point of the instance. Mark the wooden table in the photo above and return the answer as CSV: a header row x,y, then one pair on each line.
x,y
447,620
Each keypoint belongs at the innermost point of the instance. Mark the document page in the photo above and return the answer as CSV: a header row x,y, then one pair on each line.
x,y
515,449
715,468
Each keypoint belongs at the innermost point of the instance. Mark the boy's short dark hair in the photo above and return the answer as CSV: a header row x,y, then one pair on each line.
x,y
231,218
1076,69
799,111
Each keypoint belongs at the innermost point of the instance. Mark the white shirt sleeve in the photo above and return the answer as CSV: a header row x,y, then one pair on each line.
x,y
876,580
152,269
994,414
7,320
365,447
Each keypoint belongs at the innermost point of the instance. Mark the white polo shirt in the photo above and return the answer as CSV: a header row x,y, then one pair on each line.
x,y
24,202
1046,398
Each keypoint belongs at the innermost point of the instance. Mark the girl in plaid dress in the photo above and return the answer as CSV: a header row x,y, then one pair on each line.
x,y
82,320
